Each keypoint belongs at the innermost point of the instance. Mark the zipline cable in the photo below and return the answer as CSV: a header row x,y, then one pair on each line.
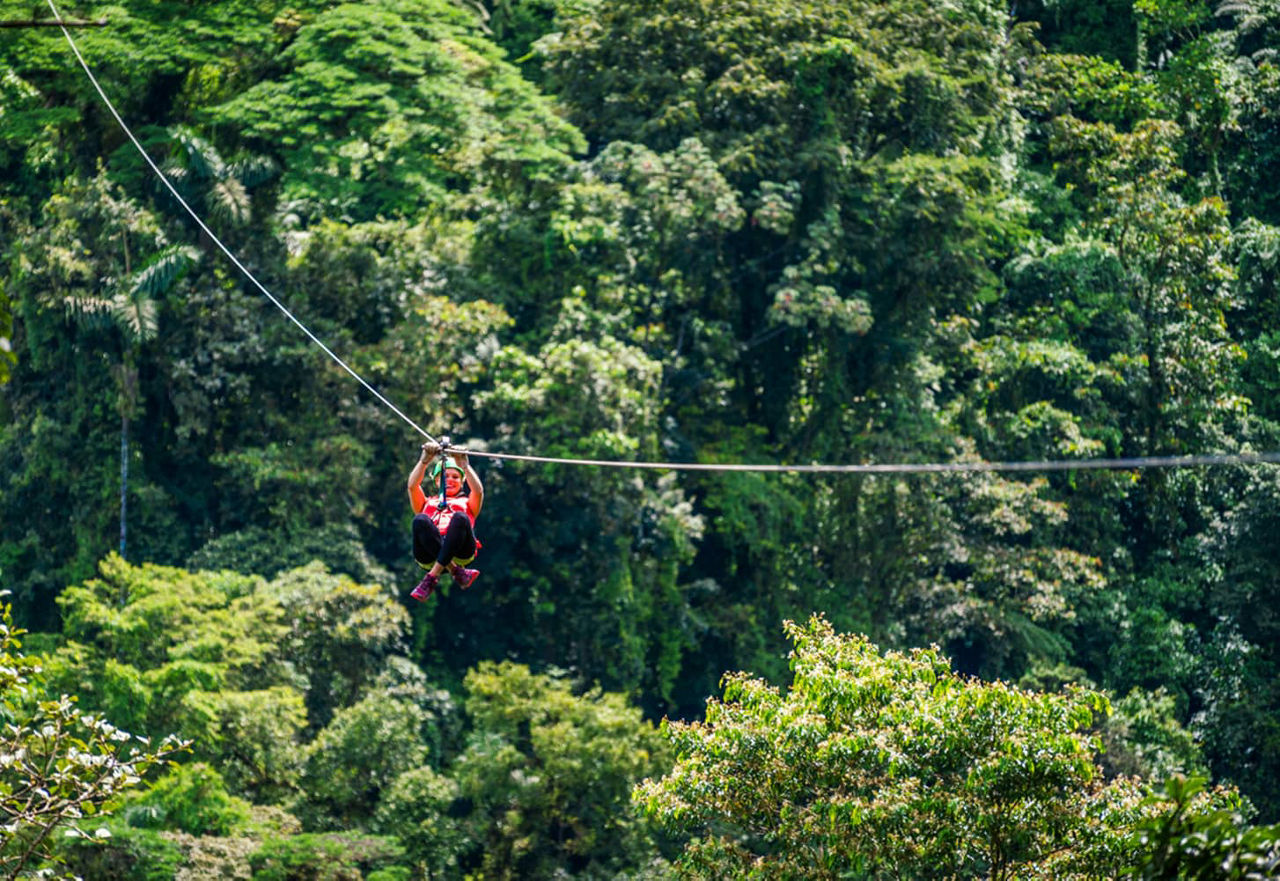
x,y
217,241
1131,463
1125,464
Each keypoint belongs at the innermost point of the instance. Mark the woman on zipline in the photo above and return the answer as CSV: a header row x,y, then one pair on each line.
x,y
444,535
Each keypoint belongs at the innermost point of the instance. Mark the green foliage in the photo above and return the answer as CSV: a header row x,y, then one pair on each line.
x,y
728,71
88,285
855,213
1107,30
1143,738
418,810
337,857
640,232
339,632
1087,87
216,189
380,109
1177,272
546,778
190,798
1186,840
629,538
213,625
1236,677
58,763
6,346
212,858
79,278
518,24
807,230
1255,154
256,550
358,756
889,764
129,853
26,123
138,853
189,652
252,735
241,666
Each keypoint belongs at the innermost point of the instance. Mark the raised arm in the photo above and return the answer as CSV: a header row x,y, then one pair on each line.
x,y
417,498
476,500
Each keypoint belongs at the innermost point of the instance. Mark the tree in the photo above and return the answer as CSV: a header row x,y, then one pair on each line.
x,y
1186,841
1105,30
1236,682
192,799
341,855
195,653
357,757
6,331
418,809
217,190
379,110
866,164
58,764
890,765
133,312
799,206
618,610
93,299
339,635
100,266
1175,271
1252,146
545,779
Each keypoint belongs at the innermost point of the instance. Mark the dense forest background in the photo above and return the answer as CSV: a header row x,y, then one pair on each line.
x,y
788,231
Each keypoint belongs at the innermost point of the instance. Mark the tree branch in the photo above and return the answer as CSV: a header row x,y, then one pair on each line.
x,y
34,23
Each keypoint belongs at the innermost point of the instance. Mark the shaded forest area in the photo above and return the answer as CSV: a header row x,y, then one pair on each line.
x,y
787,231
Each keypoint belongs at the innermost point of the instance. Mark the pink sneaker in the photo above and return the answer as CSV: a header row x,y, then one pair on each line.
x,y
426,587
464,578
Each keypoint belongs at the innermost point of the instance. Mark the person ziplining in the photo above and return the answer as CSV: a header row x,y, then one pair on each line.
x,y
444,535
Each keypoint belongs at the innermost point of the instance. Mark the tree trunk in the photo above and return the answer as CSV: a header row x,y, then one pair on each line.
x,y
128,402
124,477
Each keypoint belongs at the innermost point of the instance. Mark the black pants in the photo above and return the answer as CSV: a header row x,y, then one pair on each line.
x,y
430,547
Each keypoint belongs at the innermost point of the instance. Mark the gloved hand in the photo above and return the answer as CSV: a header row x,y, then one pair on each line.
x,y
430,450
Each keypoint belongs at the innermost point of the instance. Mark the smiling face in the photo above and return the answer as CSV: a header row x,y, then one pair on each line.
x,y
452,482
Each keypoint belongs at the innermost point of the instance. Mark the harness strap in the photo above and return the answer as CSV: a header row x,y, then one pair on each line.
x,y
444,445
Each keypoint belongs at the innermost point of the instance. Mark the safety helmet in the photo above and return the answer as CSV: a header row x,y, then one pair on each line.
x,y
447,462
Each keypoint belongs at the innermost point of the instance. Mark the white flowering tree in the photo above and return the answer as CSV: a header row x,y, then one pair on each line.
x,y
58,766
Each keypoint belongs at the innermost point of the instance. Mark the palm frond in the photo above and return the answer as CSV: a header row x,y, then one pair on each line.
x,y
86,311
161,271
200,156
80,308
1250,15
1238,8
177,174
136,317
229,201
254,171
